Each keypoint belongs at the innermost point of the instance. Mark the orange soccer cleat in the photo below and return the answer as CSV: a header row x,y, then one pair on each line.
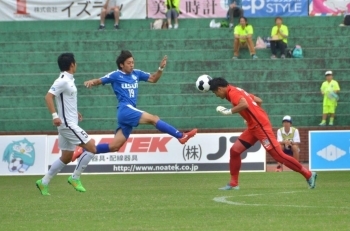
x,y
187,135
77,153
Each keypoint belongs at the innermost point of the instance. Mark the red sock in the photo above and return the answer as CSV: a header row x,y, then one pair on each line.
x,y
289,161
235,166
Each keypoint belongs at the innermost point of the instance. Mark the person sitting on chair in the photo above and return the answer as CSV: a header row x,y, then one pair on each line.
x,y
289,139
110,9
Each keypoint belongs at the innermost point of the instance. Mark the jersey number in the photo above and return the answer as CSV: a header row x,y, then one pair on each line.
x,y
131,93
84,134
240,89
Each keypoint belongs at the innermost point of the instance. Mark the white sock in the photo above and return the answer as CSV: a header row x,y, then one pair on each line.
x,y
56,167
82,163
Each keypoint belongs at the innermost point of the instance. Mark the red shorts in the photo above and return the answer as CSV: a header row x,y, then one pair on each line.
x,y
263,134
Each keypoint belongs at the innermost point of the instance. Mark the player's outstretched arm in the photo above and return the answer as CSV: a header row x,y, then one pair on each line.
x,y
242,105
92,82
155,76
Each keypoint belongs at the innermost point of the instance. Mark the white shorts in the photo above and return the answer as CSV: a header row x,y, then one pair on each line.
x,y
69,138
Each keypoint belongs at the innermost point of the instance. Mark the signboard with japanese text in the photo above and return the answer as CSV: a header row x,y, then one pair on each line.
x,y
163,153
190,8
27,10
274,8
23,155
329,7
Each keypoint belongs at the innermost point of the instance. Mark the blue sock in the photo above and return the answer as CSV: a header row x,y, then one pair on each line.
x,y
166,128
102,148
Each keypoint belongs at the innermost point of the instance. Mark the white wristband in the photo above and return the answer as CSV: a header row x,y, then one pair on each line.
x,y
160,69
55,116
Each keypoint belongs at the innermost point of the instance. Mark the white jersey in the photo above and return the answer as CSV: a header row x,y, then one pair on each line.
x,y
65,93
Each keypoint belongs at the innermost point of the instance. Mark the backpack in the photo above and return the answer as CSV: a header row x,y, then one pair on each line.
x,y
297,52
347,20
159,24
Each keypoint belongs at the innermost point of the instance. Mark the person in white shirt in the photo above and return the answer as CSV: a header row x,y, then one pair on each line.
x,y
289,139
66,120
110,8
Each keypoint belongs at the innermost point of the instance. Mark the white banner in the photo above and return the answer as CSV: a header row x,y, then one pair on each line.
x,y
23,155
27,10
162,153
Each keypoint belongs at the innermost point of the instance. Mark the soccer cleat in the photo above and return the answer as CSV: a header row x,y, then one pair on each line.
x,y
273,57
77,153
255,57
116,27
101,27
283,56
322,124
312,180
229,187
235,57
44,189
76,184
330,123
187,135
279,168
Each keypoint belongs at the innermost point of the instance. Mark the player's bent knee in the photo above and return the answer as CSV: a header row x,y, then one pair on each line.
x,y
66,156
114,148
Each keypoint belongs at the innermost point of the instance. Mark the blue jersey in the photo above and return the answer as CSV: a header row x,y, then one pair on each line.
x,y
125,86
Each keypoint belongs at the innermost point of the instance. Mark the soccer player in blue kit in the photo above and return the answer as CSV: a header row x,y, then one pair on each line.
x,y
124,82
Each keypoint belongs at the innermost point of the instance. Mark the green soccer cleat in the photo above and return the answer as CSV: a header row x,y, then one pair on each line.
x,y
76,184
44,189
312,180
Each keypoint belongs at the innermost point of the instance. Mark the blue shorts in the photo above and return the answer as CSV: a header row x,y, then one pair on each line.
x,y
289,152
128,118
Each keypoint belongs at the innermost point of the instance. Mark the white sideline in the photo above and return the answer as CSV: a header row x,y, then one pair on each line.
x,y
225,200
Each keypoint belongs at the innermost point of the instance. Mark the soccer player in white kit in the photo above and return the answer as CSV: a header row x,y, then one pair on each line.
x,y
66,120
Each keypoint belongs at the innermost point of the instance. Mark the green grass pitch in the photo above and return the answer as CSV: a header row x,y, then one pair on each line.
x,y
266,201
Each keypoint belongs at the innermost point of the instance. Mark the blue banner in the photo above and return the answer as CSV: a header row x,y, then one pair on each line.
x,y
274,8
329,150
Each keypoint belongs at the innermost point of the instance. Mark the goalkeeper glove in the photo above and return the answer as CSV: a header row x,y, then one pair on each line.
x,y
223,110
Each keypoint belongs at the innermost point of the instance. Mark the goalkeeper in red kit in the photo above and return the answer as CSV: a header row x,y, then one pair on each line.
x,y
258,129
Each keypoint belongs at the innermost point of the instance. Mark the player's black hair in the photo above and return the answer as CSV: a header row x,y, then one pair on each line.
x,y
245,19
278,18
65,60
124,55
215,83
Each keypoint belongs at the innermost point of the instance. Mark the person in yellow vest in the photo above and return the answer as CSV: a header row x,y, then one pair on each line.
x,y
173,12
329,90
279,35
243,37
289,139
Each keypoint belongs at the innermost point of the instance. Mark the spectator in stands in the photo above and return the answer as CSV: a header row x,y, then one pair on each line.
x,y
110,9
173,12
289,139
279,35
243,37
234,10
329,90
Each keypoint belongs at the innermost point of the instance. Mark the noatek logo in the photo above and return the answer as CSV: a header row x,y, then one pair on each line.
x,y
331,153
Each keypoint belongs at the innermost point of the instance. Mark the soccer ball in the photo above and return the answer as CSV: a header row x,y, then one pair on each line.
x,y
202,83
15,164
